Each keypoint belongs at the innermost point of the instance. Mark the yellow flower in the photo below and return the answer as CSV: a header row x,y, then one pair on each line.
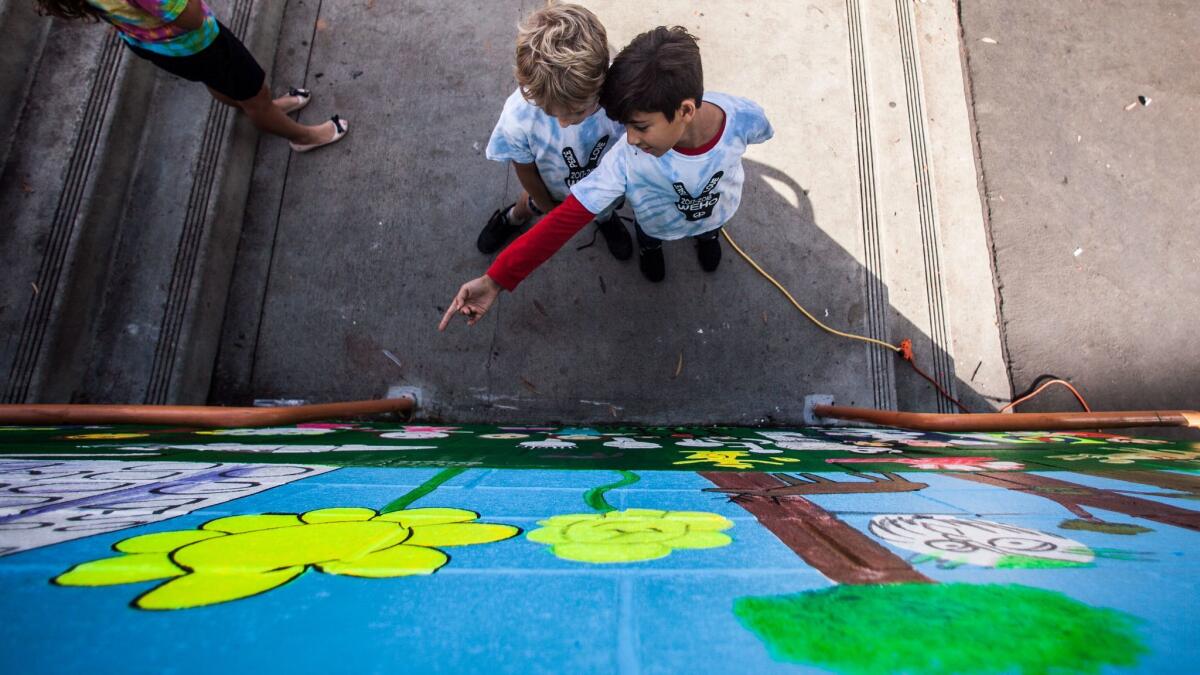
x,y
732,459
632,535
240,556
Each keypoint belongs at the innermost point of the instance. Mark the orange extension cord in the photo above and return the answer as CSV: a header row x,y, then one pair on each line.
x,y
904,350
196,415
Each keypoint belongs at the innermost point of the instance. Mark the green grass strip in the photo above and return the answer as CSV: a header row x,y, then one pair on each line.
x,y
423,489
595,496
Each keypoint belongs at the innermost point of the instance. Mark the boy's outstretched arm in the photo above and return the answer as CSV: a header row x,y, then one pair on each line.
x,y
543,240
517,261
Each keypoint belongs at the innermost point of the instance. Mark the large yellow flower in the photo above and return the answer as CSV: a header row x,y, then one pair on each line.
x,y
632,535
240,556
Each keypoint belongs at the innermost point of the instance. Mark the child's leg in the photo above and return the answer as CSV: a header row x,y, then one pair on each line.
x,y
223,98
506,222
650,255
616,237
645,241
271,119
708,249
521,212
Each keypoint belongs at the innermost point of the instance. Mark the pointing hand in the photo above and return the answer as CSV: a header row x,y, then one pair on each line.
x,y
473,300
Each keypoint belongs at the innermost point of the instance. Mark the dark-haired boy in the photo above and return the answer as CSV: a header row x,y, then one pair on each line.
x,y
679,166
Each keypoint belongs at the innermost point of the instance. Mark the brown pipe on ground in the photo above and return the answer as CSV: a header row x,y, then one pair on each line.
x,y
1013,421
196,415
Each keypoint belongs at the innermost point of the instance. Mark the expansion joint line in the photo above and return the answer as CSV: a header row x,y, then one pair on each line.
x,y
287,167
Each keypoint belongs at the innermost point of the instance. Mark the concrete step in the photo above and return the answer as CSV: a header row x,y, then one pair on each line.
x,y
60,198
125,187
24,35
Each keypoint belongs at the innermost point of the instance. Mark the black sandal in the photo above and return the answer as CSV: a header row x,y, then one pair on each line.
x,y
303,94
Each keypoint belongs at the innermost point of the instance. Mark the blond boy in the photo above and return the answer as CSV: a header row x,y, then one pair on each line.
x,y
552,128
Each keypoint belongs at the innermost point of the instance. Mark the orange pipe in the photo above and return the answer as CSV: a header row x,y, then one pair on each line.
x,y
195,415
1013,421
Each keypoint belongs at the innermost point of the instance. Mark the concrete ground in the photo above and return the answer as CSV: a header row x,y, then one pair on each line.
x,y
1082,198
1092,198
864,204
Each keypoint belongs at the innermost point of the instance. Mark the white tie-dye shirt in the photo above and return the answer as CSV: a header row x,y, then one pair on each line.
x,y
564,156
677,195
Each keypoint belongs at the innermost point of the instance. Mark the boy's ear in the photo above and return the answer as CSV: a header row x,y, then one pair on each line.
x,y
687,110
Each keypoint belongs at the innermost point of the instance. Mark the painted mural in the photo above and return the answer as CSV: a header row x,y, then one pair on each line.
x,y
355,547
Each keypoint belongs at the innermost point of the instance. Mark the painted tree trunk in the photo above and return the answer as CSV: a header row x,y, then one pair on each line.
x,y
1074,497
834,548
1166,480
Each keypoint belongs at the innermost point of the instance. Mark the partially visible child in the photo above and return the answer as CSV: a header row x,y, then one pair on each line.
x,y
552,128
679,165
184,38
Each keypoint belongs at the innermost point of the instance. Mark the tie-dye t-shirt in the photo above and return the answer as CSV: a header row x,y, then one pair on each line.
x,y
677,195
148,24
564,156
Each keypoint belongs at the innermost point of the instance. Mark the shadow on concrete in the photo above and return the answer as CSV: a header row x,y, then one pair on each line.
x,y
585,339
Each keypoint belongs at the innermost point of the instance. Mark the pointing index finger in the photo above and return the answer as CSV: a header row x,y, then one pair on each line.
x,y
450,312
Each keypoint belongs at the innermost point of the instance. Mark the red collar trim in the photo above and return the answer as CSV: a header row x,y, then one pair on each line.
x,y
712,142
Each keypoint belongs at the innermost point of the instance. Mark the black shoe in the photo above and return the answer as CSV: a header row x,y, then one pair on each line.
x,y
497,232
620,244
709,252
651,263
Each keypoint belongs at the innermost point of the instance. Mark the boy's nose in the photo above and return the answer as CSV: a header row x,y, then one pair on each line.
x,y
563,122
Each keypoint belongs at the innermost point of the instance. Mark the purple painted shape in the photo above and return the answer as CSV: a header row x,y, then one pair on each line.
x,y
123,495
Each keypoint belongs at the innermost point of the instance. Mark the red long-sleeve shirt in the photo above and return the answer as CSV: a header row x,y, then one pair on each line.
x,y
536,246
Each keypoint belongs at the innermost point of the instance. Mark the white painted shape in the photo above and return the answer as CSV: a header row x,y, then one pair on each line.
x,y
976,542
268,431
119,495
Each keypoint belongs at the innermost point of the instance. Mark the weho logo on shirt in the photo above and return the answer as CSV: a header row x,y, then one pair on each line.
x,y
701,206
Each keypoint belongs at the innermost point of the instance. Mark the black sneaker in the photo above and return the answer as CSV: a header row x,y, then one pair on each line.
x,y
709,252
650,260
497,232
620,244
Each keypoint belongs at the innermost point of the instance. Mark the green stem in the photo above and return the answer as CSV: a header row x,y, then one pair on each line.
x,y
423,489
595,496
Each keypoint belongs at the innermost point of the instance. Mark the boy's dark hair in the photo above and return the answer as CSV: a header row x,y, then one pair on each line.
x,y
654,73
67,9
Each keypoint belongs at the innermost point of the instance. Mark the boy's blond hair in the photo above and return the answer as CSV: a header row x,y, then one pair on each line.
x,y
562,56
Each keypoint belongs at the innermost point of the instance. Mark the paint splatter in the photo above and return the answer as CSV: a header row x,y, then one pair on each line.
x,y
1105,527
